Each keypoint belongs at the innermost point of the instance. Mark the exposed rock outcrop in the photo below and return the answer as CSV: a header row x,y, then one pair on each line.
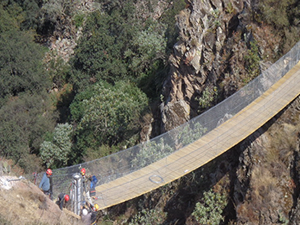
x,y
210,55
266,190
196,63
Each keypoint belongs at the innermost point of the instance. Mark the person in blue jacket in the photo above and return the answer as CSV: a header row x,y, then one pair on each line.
x,y
46,183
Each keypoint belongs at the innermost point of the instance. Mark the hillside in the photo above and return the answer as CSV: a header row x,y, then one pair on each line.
x,y
87,78
23,203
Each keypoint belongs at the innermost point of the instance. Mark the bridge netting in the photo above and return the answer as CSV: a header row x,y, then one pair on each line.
x,y
132,159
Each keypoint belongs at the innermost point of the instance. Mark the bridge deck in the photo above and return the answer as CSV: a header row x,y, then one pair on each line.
x,y
206,148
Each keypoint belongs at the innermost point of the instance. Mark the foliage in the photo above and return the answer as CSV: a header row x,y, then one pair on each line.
x,y
21,67
146,217
284,17
55,10
11,17
23,121
107,114
190,133
31,12
150,152
252,61
168,18
23,14
55,153
79,19
148,46
277,16
115,46
208,97
216,18
59,71
209,210
99,54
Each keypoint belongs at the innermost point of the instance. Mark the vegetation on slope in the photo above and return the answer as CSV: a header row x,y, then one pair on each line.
x,y
120,59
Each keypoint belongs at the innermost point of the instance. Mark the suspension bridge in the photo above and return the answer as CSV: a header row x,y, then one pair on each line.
x,y
135,171
205,149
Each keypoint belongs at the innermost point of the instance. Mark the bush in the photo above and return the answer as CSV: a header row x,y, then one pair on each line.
x,y
23,123
252,61
108,114
55,153
21,67
209,210
146,217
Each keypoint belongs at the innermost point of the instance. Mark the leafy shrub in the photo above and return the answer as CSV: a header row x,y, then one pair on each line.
x,y
146,217
23,123
190,133
209,210
208,97
55,153
252,61
150,152
108,114
276,12
78,20
116,45
21,66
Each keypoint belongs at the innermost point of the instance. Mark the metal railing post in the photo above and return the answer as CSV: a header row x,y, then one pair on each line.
x,y
77,192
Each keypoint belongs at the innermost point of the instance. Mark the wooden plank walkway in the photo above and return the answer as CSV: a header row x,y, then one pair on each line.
x,y
206,148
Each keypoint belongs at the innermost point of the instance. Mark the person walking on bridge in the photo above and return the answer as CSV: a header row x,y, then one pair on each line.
x,y
46,183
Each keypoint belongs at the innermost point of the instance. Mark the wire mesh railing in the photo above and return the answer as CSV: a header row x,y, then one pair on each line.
x,y
114,166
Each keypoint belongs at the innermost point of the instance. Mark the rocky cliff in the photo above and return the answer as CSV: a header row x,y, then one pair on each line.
x,y
208,62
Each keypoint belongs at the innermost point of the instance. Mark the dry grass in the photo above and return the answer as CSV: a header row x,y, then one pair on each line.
x,y
284,143
25,204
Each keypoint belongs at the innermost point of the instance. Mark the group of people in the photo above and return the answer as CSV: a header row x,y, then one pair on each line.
x,y
88,209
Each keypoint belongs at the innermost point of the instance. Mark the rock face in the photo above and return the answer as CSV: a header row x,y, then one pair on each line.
x,y
196,62
214,39
266,189
208,55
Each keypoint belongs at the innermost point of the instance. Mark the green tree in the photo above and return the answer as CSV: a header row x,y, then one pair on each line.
x,y
99,54
21,67
148,46
118,46
23,122
55,153
107,114
10,17
30,13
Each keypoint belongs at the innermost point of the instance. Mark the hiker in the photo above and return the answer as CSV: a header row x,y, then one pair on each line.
x,y
46,183
62,200
85,178
93,181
